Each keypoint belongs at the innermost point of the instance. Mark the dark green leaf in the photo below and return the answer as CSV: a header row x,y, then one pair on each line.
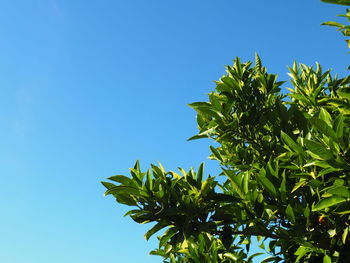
x,y
291,143
267,184
339,2
318,150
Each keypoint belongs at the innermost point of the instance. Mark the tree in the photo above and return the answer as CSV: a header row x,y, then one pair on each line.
x,y
286,160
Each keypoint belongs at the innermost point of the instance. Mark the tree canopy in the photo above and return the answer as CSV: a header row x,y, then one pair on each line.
x,y
285,158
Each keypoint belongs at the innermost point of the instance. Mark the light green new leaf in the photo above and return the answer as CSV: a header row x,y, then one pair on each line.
x,y
231,256
325,116
301,252
327,259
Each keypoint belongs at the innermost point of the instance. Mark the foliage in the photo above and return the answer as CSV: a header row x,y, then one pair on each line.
x,y
286,164
345,29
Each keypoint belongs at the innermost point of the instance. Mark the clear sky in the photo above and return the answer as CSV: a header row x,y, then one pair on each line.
x,y
88,87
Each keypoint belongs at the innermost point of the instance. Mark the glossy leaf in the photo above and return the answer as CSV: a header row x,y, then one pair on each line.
x,y
328,202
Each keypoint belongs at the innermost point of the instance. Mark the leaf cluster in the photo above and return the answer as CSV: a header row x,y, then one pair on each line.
x,y
285,164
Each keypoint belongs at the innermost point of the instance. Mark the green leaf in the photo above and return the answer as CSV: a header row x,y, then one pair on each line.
x,y
345,235
318,151
339,126
290,213
154,229
125,189
234,182
206,108
268,259
323,127
108,185
328,202
267,184
204,134
167,235
325,116
327,259
332,23
216,153
134,211
301,252
344,94
231,256
200,174
339,191
121,179
301,183
338,2
291,143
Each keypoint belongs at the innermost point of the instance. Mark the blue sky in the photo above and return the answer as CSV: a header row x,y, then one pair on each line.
x,y
88,87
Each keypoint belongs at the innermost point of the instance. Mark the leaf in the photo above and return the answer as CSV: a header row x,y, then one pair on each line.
x,y
125,189
332,23
266,182
253,256
206,108
291,143
345,235
235,184
134,211
204,134
290,214
325,116
121,179
338,2
108,185
327,259
167,235
216,153
154,229
258,62
339,127
323,127
231,256
301,183
328,202
318,150
149,180
339,191
268,259
301,252
200,174
343,94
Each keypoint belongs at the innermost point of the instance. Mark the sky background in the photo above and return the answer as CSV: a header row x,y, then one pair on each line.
x,y
88,87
